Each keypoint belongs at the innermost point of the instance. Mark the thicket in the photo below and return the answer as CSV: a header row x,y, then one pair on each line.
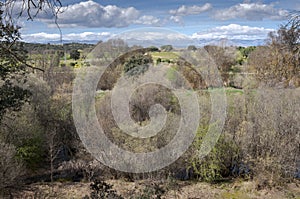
x,y
260,139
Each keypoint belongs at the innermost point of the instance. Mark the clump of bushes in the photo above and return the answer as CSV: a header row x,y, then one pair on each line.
x,y
102,190
137,64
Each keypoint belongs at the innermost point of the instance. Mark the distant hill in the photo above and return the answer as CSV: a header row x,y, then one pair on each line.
x,y
38,47
181,43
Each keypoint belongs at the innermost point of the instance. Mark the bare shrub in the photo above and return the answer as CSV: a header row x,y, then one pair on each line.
x,y
90,168
139,105
274,67
224,58
10,167
270,138
190,74
260,138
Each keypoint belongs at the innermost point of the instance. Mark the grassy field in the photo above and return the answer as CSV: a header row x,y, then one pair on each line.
x,y
164,56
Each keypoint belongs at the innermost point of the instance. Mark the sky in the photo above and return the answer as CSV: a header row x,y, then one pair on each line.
x,y
240,22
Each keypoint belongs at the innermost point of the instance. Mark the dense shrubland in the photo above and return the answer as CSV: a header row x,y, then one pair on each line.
x,y
260,139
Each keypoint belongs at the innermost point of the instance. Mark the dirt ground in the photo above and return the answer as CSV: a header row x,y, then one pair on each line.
x,y
175,189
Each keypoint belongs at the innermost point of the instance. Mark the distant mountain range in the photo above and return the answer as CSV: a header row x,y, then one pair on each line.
x,y
179,43
72,41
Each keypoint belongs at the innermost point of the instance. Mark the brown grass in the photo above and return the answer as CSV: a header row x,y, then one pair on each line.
x,y
184,190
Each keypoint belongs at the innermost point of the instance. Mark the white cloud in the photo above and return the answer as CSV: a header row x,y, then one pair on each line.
x,y
43,37
190,10
251,11
176,19
178,14
155,37
234,32
92,14
155,34
148,20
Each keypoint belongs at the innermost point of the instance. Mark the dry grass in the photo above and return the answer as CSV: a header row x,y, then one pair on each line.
x,y
184,190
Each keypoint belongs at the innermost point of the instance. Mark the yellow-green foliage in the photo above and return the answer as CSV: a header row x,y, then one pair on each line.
x,y
171,56
171,74
31,152
216,164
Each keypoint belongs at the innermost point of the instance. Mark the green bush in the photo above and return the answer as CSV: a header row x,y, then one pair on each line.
x,y
102,190
243,54
166,48
137,64
216,165
75,54
31,152
153,49
167,60
158,60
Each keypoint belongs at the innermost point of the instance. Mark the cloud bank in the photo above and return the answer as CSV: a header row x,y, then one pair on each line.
x,y
234,32
251,11
43,37
90,14
231,32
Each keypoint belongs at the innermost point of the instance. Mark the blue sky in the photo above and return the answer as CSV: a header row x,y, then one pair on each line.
x,y
248,21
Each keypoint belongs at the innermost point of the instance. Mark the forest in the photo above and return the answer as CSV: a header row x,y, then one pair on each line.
x,y
256,155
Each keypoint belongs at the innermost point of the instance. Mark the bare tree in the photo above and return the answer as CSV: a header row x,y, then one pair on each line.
x,y
31,8
53,151
224,58
288,35
278,62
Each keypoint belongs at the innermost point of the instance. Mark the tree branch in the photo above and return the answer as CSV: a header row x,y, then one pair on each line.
x,y
20,60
